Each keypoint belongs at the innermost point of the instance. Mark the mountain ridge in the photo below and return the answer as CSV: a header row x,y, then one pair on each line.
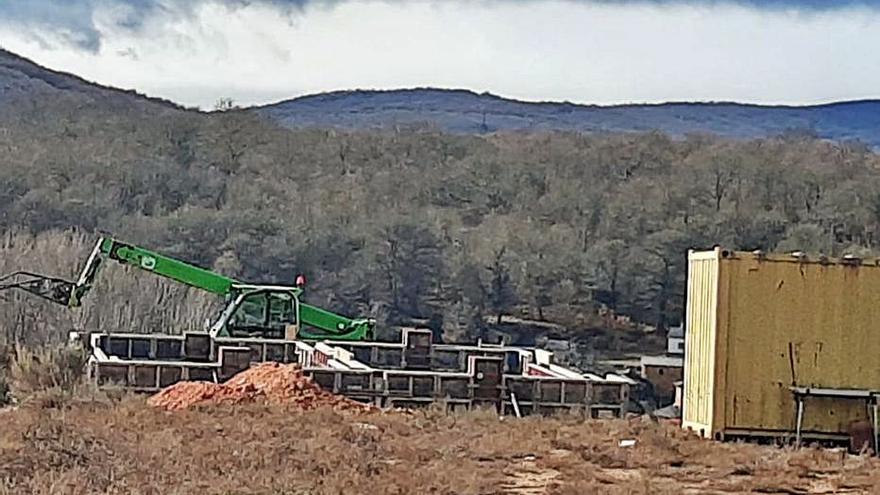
x,y
20,76
488,94
465,111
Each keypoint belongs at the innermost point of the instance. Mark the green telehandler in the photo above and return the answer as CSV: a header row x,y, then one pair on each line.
x,y
252,310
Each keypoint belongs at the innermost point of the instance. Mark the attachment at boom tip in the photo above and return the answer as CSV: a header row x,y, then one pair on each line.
x,y
56,290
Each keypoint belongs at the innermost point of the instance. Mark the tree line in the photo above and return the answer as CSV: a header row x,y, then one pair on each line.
x,y
411,225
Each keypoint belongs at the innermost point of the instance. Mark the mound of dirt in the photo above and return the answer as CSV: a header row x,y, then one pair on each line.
x,y
268,382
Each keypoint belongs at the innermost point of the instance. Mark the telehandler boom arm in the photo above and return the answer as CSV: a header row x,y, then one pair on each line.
x,y
240,297
150,261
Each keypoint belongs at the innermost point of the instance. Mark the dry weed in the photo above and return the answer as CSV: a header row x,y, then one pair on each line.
x,y
5,359
91,447
34,371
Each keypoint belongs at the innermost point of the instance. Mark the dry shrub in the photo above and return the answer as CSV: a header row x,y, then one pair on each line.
x,y
34,371
233,449
126,447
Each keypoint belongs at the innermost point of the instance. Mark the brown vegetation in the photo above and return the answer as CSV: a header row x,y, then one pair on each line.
x,y
34,370
40,372
90,447
5,359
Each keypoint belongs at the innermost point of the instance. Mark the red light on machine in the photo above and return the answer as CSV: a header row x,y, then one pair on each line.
x,y
300,281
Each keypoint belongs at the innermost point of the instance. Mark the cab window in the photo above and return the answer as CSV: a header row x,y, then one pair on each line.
x,y
281,309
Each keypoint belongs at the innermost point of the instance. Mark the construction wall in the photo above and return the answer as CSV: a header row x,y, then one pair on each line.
x,y
407,374
759,324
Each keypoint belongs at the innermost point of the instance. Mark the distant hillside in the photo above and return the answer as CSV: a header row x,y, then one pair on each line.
x,y
468,112
22,80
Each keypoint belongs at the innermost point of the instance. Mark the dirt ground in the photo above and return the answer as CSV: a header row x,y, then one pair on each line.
x,y
126,446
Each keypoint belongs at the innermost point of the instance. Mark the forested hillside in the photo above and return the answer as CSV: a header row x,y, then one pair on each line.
x,y
24,84
445,229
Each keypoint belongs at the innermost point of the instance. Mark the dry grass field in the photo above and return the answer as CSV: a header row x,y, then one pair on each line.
x,y
85,446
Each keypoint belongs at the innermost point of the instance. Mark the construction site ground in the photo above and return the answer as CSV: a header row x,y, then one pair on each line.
x,y
82,446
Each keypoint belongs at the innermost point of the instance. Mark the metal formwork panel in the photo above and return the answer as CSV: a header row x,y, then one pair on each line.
x,y
353,383
274,352
550,391
575,393
197,347
423,386
608,393
169,349
523,388
117,346
389,357
145,376
399,385
448,361
454,388
326,379
169,375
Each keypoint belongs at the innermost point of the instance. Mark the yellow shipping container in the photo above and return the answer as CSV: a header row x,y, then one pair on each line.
x,y
758,325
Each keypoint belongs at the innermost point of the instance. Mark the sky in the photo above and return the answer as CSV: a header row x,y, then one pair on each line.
x,y
195,52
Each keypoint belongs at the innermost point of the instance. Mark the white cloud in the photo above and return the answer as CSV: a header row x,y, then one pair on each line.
x,y
540,50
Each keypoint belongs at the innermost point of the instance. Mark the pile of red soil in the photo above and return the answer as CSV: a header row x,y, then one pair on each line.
x,y
267,382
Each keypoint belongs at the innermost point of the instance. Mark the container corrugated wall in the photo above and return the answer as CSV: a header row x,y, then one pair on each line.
x,y
777,322
701,325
